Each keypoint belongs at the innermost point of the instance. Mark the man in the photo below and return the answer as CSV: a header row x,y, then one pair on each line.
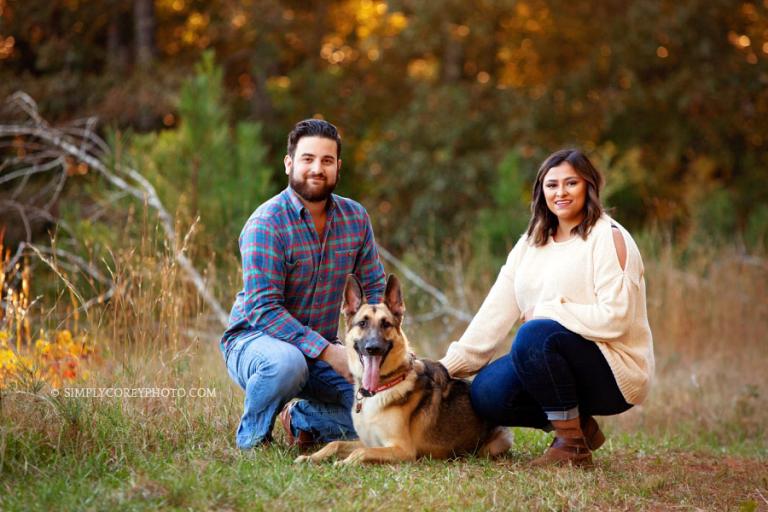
x,y
297,249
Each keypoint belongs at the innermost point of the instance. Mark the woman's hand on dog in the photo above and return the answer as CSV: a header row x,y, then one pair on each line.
x,y
336,356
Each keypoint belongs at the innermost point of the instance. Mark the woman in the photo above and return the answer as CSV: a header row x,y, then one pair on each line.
x,y
576,280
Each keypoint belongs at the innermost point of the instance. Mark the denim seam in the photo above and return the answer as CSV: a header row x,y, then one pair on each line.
x,y
554,384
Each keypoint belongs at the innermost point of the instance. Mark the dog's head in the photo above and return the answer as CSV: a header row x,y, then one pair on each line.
x,y
376,346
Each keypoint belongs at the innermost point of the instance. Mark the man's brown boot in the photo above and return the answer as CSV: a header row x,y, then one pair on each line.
x,y
569,446
304,441
592,433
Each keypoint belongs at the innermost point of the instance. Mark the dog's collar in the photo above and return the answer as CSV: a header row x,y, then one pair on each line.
x,y
386,385
365,393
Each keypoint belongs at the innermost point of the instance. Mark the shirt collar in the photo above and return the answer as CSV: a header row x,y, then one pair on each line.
x,y
297,205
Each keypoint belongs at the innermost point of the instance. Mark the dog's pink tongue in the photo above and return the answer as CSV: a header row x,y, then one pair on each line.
x,y
371,372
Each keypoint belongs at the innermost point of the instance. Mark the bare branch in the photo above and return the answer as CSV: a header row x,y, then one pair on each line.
x,y
29,170
56,193
761,496
100,299
28,105
35,212
446,307
77,262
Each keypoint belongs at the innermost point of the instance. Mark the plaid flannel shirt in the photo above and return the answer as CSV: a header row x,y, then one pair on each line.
x,y
293,282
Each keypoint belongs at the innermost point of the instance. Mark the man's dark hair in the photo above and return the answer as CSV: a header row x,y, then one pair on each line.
x,y
313,128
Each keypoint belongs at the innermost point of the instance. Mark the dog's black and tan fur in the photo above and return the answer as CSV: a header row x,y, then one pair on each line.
x,y
425,412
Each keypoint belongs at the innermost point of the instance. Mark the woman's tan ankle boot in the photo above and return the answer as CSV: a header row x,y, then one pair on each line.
x,y
592,433
569,446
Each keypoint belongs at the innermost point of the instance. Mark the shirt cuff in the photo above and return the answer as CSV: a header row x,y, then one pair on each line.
x,y
312,344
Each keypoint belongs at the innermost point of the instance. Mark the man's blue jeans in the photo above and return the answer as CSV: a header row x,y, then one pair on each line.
x,y
549,374
272,372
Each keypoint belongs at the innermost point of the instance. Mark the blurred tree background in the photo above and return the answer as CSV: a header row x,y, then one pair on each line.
x,y
447,107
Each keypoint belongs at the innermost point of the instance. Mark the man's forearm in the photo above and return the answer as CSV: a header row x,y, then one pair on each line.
x,y
280,324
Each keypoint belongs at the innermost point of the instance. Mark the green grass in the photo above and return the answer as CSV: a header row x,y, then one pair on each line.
x,y
179,454
214,476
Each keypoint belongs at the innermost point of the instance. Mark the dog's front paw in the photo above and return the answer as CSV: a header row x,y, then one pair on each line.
x,y
356,457
302,459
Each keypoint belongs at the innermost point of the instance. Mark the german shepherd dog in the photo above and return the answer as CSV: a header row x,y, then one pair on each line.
x,y
405,407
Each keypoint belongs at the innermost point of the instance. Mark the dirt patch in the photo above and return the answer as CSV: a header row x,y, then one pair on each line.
x,y
691,480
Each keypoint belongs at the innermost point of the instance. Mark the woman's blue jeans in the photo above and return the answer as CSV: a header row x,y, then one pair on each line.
x,y
272,372
549,374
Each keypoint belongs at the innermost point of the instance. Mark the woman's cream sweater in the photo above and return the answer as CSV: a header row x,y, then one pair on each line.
x,y
580,284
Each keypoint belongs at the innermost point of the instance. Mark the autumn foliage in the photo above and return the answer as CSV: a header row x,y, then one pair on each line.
x,y
55,357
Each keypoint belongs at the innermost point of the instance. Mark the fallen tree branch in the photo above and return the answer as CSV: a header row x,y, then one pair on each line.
x,y
141,189
446,308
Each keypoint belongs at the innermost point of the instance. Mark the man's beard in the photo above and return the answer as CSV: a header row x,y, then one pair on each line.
x,y
310,193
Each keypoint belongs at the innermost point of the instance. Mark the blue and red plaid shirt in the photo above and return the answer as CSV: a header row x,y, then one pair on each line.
x,y
293,282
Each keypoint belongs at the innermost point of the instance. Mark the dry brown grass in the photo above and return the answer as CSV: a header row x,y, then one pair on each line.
x,y
709,318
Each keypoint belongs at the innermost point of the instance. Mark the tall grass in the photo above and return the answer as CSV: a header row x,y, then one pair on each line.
x,y
709,315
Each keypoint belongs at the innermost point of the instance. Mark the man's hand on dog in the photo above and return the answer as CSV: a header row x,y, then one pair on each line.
x,y
336,356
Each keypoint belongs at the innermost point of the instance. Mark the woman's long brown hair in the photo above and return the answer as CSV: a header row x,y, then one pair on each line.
x,y
543,223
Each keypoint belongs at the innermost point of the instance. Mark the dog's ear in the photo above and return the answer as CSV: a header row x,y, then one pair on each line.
x,y
353,296
393,297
